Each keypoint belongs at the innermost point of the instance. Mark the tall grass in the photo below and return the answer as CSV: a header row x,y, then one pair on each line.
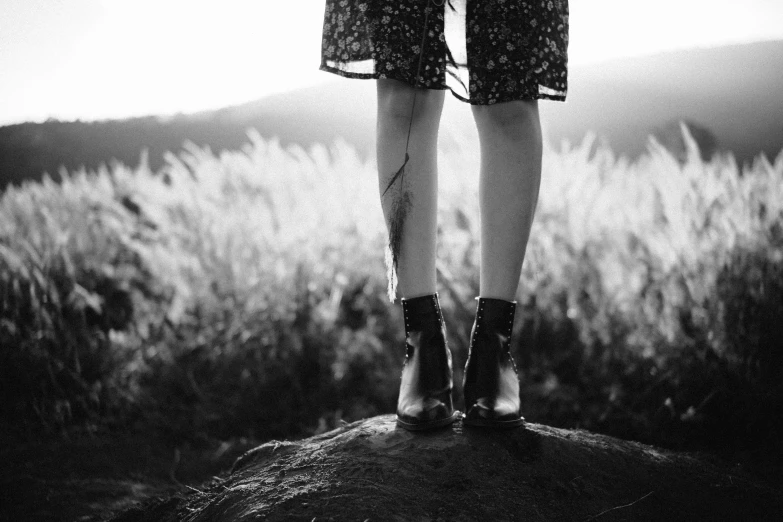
x,y
243,293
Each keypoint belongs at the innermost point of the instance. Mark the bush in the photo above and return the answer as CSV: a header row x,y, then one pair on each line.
x,y
244,294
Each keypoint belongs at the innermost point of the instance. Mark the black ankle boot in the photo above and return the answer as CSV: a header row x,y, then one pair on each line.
x,y
491,384
425,387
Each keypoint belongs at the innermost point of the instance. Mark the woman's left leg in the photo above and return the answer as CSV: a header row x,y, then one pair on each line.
x,y
510,138
511,147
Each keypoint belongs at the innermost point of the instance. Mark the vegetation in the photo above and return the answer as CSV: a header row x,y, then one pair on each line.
x,y
243,294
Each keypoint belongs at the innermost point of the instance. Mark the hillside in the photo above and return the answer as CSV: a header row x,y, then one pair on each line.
x,y
370,470
733,91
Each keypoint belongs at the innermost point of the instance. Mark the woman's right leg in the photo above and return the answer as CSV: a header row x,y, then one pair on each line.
x,y
424,401
416,262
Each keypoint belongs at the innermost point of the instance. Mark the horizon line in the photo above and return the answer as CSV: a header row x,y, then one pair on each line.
x,y
575,63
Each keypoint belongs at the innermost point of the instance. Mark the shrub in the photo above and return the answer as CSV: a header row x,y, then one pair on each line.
x,y
243,294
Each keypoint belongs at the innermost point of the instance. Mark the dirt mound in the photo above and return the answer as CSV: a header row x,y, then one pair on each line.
x,y
373,470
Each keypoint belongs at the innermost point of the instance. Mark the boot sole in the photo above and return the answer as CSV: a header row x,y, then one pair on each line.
x,y
486,423
431,425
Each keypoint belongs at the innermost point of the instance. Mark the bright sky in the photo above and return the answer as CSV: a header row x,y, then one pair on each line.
x,y
93,59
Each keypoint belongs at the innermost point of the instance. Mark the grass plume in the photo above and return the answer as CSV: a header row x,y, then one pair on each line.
x,y
242,293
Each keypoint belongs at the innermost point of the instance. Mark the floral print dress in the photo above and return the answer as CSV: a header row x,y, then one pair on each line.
x,y
484,51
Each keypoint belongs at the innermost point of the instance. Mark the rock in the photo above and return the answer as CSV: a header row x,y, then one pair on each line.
x,y
371,470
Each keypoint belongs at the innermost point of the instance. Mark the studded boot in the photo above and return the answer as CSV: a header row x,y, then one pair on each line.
x,y
491,383
425,386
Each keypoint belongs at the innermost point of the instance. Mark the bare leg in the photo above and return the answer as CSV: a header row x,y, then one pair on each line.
x,y
416,264
510,139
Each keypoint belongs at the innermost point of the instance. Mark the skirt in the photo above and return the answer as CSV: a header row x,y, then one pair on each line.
x,y
484,51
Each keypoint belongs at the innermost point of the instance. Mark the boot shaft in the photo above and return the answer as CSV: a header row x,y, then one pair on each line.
x,y
426,346
494,316
422,313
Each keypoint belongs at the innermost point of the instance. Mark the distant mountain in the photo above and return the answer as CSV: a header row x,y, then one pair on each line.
x,y
736,92
733,93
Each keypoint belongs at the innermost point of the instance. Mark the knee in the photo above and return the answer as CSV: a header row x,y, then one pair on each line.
x,y
395,101
510,117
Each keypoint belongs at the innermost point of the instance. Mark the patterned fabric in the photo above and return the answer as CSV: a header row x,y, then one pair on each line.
x,y
484,51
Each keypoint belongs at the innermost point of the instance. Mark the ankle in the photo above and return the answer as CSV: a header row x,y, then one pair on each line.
x,y
502,296
417,295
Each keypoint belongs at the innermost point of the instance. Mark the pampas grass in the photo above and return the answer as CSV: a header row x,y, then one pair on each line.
x,y
242,293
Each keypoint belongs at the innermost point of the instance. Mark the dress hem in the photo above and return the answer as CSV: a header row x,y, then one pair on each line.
x,y
376,76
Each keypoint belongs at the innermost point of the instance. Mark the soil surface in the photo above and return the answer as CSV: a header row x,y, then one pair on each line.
x,y
91,477
372,470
